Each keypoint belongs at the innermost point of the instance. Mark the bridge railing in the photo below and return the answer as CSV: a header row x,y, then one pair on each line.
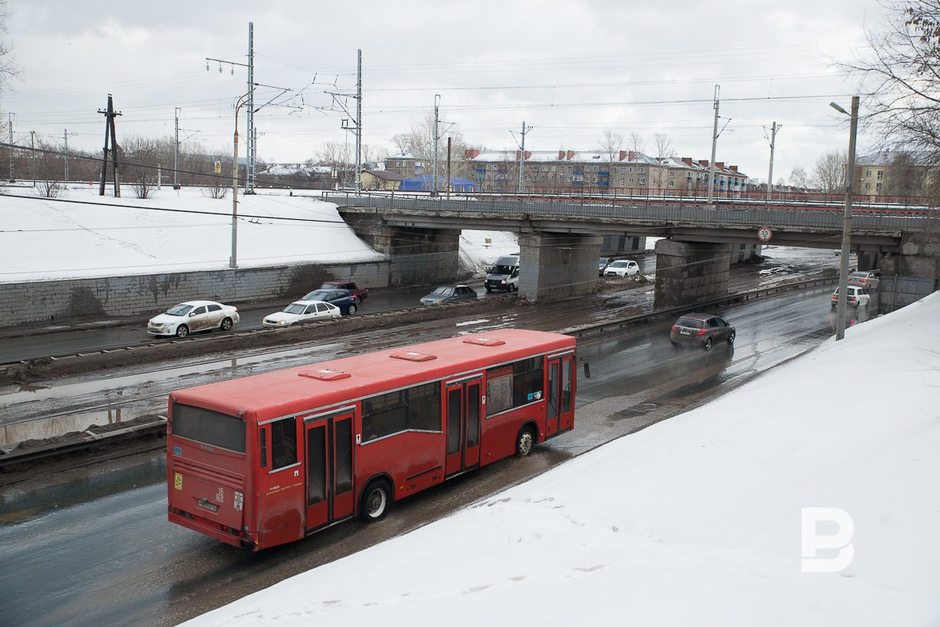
x,y
726,214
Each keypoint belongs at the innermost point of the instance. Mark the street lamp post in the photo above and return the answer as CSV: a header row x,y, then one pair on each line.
x,y
846,217
233,260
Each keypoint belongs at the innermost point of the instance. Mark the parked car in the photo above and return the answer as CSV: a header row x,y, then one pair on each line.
x,y
864,278
302,311
701,329
193,316
622,268
361,292
602,264
449,294
347,302
854,296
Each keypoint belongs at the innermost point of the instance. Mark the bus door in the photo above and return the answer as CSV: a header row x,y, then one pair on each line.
x,y
463,424
560,409
329,489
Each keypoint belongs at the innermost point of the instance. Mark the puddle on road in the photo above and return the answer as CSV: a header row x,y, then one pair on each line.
x,y
68,390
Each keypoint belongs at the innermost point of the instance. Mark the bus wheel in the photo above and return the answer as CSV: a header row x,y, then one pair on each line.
x,y
525,441
376,500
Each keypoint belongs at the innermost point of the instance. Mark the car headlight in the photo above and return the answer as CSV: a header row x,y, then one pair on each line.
x,y
282,322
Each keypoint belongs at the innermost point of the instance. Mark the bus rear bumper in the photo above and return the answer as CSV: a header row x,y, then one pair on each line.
x,y
212,530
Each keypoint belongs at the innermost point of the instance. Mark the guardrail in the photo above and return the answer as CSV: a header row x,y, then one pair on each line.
x,y
159,425
642,212
761,292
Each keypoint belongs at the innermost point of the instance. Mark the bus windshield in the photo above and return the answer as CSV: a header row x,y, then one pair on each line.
x,y
209,427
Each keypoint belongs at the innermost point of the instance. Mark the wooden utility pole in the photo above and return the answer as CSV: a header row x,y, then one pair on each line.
x,y
110,145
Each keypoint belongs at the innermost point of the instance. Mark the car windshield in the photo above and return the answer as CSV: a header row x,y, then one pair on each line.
x,y
603,261
316,295
618,264
501,269
179,310
294,308
695,323
443,291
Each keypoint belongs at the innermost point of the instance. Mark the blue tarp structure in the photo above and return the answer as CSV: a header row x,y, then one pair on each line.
x,y
424,183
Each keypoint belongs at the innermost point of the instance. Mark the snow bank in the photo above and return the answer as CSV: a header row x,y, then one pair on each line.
x,y
695,520
44,239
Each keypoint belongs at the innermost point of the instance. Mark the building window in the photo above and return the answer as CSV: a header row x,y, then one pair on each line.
x,y
880,174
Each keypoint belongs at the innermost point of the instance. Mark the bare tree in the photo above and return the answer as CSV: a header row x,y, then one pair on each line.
x,y
139,158
829,173
905,176
48,169
664,147
798,178
9,70
610,145
338,156
636,140
902,67
373,154
419,142
216,184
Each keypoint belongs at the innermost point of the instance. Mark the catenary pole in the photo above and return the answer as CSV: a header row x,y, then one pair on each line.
x,y
359,120
711,164
176,150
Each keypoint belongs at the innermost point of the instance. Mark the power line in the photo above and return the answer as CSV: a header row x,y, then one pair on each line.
x,y
169,210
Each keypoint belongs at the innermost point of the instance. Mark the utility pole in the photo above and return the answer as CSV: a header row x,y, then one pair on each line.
x,y
437,101
10,128
770,175
447,186
711,164
32,156
520,187
846,218
358,120
250,174
66,156
176,149
110,143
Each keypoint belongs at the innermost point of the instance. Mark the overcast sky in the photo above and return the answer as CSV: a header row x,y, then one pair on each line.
x,y
571,70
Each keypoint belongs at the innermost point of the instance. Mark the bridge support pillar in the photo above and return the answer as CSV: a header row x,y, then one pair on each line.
x,y
690,272
416,256
554,266
912,274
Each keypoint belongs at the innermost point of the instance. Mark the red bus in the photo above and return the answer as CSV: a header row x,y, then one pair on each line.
x,y
271,458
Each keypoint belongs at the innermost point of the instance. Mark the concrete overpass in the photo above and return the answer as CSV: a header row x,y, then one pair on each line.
x,y
560,239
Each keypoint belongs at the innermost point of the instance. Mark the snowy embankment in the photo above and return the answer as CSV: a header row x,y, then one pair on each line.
x,y
693,521
44,239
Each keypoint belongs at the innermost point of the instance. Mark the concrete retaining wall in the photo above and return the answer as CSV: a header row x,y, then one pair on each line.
x,y
50,301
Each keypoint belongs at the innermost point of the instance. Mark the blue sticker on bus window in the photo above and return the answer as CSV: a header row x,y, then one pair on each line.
x,y
531,395
178,450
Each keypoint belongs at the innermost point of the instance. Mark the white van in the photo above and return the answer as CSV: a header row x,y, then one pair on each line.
x,y
504,275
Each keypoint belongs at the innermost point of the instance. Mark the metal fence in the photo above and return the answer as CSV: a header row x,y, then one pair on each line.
x,y
661,213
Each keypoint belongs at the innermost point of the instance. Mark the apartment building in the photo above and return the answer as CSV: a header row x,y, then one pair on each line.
x,y
622,171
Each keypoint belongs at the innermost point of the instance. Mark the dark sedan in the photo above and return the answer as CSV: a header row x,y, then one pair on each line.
x,y
700,329
347,302
449,294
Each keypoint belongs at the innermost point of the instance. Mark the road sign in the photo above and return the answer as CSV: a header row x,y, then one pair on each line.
x,y
764,233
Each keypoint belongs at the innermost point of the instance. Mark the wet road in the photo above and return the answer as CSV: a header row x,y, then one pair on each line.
x,y
92,545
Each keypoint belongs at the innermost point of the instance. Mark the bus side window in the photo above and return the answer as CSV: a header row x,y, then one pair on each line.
x,y
283,443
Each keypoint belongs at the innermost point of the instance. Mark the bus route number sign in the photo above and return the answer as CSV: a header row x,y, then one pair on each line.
x,y
764,233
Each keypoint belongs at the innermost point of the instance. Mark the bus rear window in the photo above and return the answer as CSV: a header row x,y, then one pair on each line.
x,y
209,427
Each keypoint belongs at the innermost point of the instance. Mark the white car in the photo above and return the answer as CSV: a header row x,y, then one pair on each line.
x,y
302,311
854,296
193,316
622,268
